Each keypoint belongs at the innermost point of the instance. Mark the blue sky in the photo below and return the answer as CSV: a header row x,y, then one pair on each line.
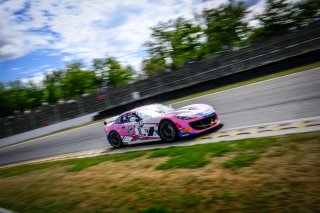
x,y
38,36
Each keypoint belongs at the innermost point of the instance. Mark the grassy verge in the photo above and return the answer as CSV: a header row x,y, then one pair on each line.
x,y
276,174
251,81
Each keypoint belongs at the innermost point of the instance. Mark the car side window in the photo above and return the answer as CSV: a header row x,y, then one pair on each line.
x,y
125,118
118,120
133,115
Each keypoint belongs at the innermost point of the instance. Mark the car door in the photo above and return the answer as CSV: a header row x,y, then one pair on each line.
x,y
129,121
147,131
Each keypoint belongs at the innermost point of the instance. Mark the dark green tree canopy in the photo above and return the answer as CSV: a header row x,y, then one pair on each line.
x,y
176,41
277,18
225,25
305,11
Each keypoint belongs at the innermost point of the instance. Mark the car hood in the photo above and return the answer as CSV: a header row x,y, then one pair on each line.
x,y
195,109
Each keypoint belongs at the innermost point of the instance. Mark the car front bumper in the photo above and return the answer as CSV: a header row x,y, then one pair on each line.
x,y
198,126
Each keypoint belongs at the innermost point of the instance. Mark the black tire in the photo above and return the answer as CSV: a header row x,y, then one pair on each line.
x,y
115,139
168,131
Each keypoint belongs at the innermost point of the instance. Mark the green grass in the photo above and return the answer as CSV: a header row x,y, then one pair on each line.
x,y
156,210
19,170
188,157
197,156
235,176
242,160
74,165
251,81
83,163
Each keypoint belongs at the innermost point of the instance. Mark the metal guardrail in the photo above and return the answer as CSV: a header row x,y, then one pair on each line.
x,y
223,64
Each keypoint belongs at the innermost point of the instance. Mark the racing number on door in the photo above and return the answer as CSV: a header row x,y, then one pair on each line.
x,y
139,131
145,131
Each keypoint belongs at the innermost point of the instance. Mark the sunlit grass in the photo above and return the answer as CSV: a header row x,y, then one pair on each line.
x,y
241,160
278,174
74,165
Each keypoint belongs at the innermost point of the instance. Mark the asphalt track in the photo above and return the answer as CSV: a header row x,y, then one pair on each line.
x,y
285,98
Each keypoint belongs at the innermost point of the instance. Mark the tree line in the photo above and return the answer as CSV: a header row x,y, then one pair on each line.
x,y
172,44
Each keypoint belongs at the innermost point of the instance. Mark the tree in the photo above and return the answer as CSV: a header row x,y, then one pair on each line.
x,y
277,18
117,75
53,86
77,81
19,97
306,10
34,95
4,108
177,40
225,25
109,71
153,65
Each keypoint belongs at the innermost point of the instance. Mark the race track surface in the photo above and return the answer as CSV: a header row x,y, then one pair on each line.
x,y
285,98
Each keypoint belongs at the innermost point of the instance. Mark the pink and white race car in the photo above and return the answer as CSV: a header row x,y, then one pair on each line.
x,y
158,122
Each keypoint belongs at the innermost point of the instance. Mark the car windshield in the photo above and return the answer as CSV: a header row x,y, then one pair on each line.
x,y
152,111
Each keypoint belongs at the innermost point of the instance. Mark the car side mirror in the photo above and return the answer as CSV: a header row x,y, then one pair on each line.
x,y
105,122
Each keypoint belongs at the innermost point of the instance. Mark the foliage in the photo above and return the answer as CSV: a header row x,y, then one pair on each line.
x,y
19,97
53,87
110,71
305,11
153,65
225,26
277,18
77,81
117,74
173,43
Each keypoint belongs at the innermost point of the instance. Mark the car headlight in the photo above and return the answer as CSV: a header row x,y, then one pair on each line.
x,y
185,117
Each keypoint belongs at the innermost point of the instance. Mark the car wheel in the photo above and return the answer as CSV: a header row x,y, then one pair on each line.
x,y
115,139
168,131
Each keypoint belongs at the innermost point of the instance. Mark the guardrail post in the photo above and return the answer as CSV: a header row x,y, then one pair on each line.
x,y
159,84
80,106
106,99
33,121
56,113
8,129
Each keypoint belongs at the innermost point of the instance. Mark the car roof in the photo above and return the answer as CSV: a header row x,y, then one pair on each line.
x,y
141,107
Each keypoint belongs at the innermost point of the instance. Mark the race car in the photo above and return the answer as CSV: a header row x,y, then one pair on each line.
x,y
159,122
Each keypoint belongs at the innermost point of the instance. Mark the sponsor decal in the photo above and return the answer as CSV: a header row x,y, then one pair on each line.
x,y
129,129
126,139
147,131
